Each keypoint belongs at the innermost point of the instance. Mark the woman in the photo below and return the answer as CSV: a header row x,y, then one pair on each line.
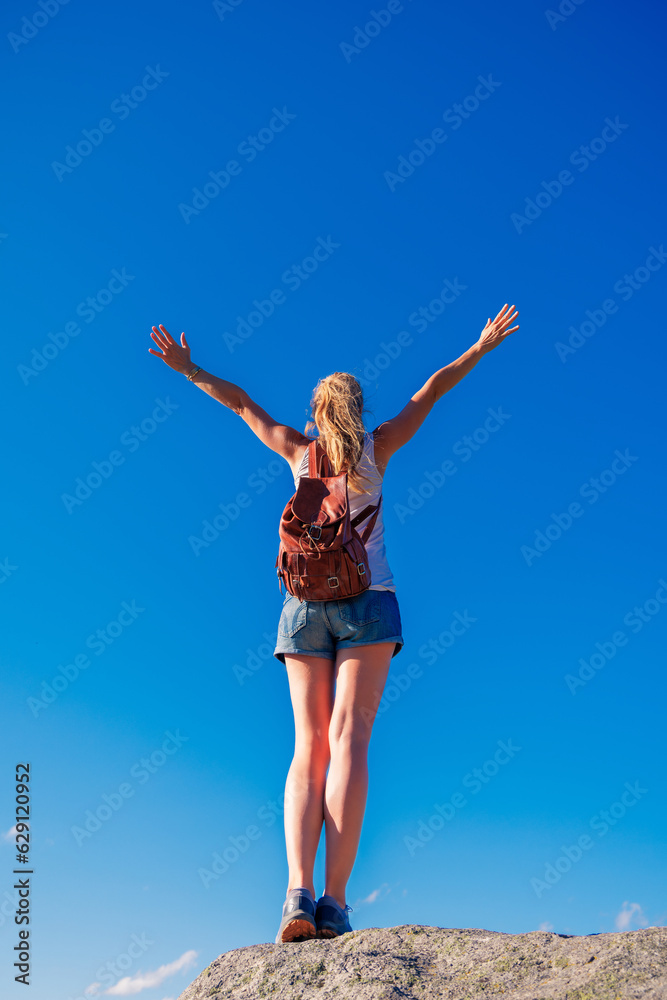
x,y
337,653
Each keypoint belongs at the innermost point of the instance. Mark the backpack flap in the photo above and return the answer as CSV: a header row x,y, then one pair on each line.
x,y
320,501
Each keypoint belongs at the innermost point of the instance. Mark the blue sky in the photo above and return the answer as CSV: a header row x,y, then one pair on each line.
x,y
445,161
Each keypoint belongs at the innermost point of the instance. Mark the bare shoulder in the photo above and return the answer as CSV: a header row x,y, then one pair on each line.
x,y
301,447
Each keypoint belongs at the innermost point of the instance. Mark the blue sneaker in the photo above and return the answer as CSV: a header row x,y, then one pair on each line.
x,y
298,920
331,919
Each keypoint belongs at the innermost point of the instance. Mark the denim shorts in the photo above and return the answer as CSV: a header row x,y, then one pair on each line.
x,y
319,628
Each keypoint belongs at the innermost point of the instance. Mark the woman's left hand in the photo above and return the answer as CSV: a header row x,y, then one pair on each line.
x,y
496,330
175,355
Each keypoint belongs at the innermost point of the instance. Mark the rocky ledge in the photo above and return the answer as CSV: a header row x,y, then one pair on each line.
x,y
415,961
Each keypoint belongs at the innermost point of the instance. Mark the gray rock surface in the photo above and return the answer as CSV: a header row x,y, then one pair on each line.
x,y
414,962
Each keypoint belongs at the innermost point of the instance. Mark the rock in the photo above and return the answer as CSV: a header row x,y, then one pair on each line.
x,y
415,962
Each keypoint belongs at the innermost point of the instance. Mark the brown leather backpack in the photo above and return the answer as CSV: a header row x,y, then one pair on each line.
x,y
321,555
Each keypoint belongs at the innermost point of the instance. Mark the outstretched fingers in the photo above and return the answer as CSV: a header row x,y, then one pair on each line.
x,y
168,337
511,329
160,344
158,338
509,317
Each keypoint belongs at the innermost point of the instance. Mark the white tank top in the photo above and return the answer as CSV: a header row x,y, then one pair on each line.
x,y
381,575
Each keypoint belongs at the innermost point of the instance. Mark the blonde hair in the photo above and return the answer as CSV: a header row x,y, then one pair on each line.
x,y
337,404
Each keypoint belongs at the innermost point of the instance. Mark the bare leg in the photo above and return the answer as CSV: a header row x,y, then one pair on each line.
x,y
360,678
311,682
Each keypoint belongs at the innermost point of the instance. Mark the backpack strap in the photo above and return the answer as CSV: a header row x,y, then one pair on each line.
x,y
314,473
358,518
315,460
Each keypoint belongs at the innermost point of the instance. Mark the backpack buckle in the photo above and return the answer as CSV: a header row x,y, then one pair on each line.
x,y
333,585
361,569
317,528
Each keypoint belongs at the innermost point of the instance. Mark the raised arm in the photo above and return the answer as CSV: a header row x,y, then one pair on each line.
x,y
393,434
281,438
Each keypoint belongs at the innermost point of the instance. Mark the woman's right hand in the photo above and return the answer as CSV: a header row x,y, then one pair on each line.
x,y
177,357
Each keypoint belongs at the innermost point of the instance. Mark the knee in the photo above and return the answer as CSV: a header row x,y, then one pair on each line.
x,y
350,740
311,755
